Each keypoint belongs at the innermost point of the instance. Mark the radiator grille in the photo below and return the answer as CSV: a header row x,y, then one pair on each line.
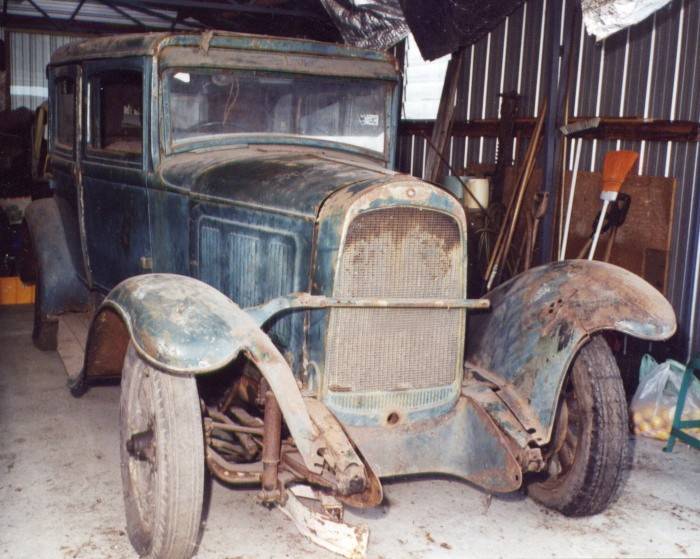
x,y
397,252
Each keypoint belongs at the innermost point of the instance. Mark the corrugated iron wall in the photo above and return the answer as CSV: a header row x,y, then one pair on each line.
x,y
651,70
29,55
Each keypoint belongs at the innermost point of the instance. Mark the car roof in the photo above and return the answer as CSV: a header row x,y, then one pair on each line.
x,y
149,44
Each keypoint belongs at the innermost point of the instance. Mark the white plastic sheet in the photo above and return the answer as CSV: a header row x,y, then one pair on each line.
x,y
602,18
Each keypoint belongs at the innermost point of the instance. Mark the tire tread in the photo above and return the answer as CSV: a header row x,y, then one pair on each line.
x,y
589,490
179,491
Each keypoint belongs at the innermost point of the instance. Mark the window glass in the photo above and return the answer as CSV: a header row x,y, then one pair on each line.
x,y
115,112
204,103
65,112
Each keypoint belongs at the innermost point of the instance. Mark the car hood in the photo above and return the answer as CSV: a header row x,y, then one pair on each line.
x,y
289,181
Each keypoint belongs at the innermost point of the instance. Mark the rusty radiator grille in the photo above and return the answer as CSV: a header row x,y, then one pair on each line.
x,y
397,252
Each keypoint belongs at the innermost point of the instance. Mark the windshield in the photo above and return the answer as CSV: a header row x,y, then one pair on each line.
x,y
206,102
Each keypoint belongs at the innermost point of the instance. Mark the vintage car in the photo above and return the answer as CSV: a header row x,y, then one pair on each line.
x,y
284,309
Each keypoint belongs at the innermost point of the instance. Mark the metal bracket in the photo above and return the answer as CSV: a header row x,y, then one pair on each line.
x,y
508,393
325,528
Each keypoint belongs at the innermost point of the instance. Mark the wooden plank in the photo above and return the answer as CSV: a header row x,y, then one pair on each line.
x,y
638,129
487,128
443,121
610,128
642,244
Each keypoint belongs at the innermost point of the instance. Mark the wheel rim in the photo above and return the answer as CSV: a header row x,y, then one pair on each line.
x,y
140,446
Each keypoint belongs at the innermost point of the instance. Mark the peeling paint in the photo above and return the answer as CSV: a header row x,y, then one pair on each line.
x,y
542,318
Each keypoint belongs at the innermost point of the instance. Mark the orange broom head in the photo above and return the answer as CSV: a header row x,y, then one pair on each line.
x,y
616,167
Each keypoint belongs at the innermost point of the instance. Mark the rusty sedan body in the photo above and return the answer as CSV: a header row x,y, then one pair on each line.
x,y
236,217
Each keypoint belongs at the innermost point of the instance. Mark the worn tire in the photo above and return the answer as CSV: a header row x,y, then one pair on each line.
x,y
601,450
163,495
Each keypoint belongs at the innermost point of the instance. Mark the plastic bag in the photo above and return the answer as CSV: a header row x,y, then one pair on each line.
x,y
654,403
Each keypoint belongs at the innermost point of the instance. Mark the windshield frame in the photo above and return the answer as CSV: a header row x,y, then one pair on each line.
x,y
170,146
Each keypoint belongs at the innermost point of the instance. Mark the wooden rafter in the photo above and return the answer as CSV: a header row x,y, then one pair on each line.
x,y
610,128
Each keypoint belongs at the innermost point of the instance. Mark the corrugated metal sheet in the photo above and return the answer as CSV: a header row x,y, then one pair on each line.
x,y
650,70
97,12
29,55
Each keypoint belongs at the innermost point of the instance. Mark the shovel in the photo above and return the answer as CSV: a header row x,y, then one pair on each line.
x,y
616,167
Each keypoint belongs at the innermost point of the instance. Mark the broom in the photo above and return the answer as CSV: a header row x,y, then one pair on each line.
x,y
616,167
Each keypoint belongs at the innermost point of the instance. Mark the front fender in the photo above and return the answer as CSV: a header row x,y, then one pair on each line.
x,y
183,326
541,318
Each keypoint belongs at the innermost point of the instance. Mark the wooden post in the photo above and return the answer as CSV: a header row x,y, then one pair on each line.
x,y
443,121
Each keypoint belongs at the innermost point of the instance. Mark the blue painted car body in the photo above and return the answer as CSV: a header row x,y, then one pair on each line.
x,y
354,275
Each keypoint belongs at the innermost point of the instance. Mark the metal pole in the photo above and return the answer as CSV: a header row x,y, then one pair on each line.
x,y
598,229
271,443
552,137
572,191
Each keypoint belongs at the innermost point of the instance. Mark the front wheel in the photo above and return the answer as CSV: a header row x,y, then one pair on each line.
x,y
589,447
162,460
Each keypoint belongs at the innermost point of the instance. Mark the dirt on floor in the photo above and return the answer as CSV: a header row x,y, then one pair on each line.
x,y
60,491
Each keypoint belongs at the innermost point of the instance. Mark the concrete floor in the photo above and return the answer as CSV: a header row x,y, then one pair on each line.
x,y
60,491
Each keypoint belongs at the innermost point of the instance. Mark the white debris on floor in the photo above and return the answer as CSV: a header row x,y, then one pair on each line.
x,y
60,491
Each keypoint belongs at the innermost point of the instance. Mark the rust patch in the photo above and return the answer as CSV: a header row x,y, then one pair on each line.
x,y
399,222
106,347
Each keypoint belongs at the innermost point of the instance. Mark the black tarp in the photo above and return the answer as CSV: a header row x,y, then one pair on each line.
x,y
443,26
439,26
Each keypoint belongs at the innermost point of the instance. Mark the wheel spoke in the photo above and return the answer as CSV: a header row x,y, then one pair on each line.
x,y
554,466
566,457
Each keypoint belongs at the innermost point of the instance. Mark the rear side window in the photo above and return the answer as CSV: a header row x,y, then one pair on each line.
x,y
115,112
65,112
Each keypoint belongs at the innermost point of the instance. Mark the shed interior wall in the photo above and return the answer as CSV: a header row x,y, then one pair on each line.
x,y
650,70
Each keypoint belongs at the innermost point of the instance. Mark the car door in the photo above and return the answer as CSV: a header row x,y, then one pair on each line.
x,y
114,164
64,140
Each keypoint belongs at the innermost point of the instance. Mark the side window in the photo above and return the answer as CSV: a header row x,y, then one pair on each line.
x,y
65,112
115,112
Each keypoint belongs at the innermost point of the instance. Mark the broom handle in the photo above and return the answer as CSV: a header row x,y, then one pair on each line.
x,y
584,250
569,209
598,229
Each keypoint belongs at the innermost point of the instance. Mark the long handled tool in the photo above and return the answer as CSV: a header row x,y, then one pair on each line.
x,y
540,202
616,167
567,130
510,219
